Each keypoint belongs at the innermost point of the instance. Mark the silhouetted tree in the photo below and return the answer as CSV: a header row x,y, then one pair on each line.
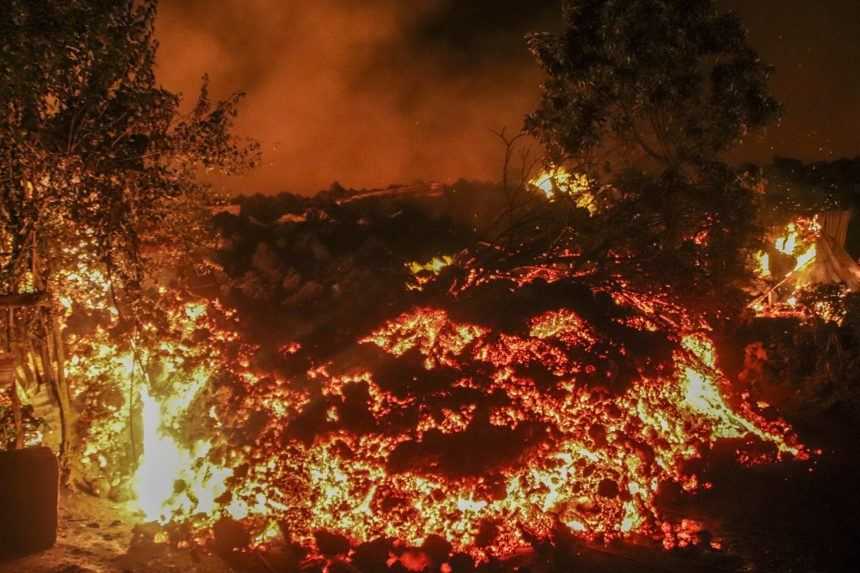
x,y
644,97
97,161
674,80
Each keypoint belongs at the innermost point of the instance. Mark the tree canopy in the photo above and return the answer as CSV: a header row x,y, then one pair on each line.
x,y
100,172
642,100
675,79
96,155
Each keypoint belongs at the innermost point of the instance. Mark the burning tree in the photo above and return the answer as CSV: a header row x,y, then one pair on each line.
x,y
645,98
99,166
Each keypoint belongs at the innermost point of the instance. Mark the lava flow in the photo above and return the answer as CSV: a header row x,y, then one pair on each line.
x,y
487,439
429,426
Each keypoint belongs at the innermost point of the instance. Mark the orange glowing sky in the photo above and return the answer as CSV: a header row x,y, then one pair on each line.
x,y
373,92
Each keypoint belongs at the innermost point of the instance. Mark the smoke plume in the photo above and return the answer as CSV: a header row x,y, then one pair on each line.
x,y
368,92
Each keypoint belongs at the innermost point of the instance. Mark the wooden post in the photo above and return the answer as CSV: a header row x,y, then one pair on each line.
x,y
7,379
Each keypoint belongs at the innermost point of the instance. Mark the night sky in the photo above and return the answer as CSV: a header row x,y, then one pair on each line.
x,y
373,92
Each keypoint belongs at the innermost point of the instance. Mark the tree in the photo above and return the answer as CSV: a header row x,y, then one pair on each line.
x,y
674,80
644,98
97,165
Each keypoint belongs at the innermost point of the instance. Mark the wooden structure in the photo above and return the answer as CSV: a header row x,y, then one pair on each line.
x,y
832,262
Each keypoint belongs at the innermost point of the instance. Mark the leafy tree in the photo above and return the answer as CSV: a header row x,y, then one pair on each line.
x,y
99,165
644,97
674,80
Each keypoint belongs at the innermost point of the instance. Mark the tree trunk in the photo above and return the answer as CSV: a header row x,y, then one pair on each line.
x,y
54,372
19,423
71,463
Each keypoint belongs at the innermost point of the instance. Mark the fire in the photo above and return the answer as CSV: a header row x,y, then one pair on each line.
x,y
434,265
171,479
162,462
557,181
424,273
797,243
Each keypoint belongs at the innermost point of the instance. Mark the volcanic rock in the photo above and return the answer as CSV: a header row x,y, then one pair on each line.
x,y
437,548
608,488
331,544
230,535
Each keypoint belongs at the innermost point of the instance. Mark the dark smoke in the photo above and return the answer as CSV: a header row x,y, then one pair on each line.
x,y
368,92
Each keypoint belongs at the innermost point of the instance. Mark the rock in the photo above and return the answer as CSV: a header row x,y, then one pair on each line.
x,y
437,548
230,535
462,563
608,488
487,534
331,544
373,555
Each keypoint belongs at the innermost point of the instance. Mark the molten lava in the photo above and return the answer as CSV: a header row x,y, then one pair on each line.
x,y
486,438
596,468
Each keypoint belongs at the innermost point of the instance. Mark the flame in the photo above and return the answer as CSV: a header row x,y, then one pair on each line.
x,y
161,464
424,273
557,181
434,265
797,240
172,479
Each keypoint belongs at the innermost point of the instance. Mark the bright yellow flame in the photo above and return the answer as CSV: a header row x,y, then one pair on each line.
x,y
797,240
435,265
173,479
424,273
558,180
161,463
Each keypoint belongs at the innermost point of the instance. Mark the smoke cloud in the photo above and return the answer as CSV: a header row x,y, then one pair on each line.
x,y
366,92
374,92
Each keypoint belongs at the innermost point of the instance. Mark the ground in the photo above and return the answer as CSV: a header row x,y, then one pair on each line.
x,y
95,536
792,517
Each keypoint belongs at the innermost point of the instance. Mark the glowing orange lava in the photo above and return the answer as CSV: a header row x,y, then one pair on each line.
x,y
466,431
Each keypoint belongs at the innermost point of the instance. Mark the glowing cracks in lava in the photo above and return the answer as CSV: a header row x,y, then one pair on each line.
x,y
437,338
596,467
424,273
700,380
